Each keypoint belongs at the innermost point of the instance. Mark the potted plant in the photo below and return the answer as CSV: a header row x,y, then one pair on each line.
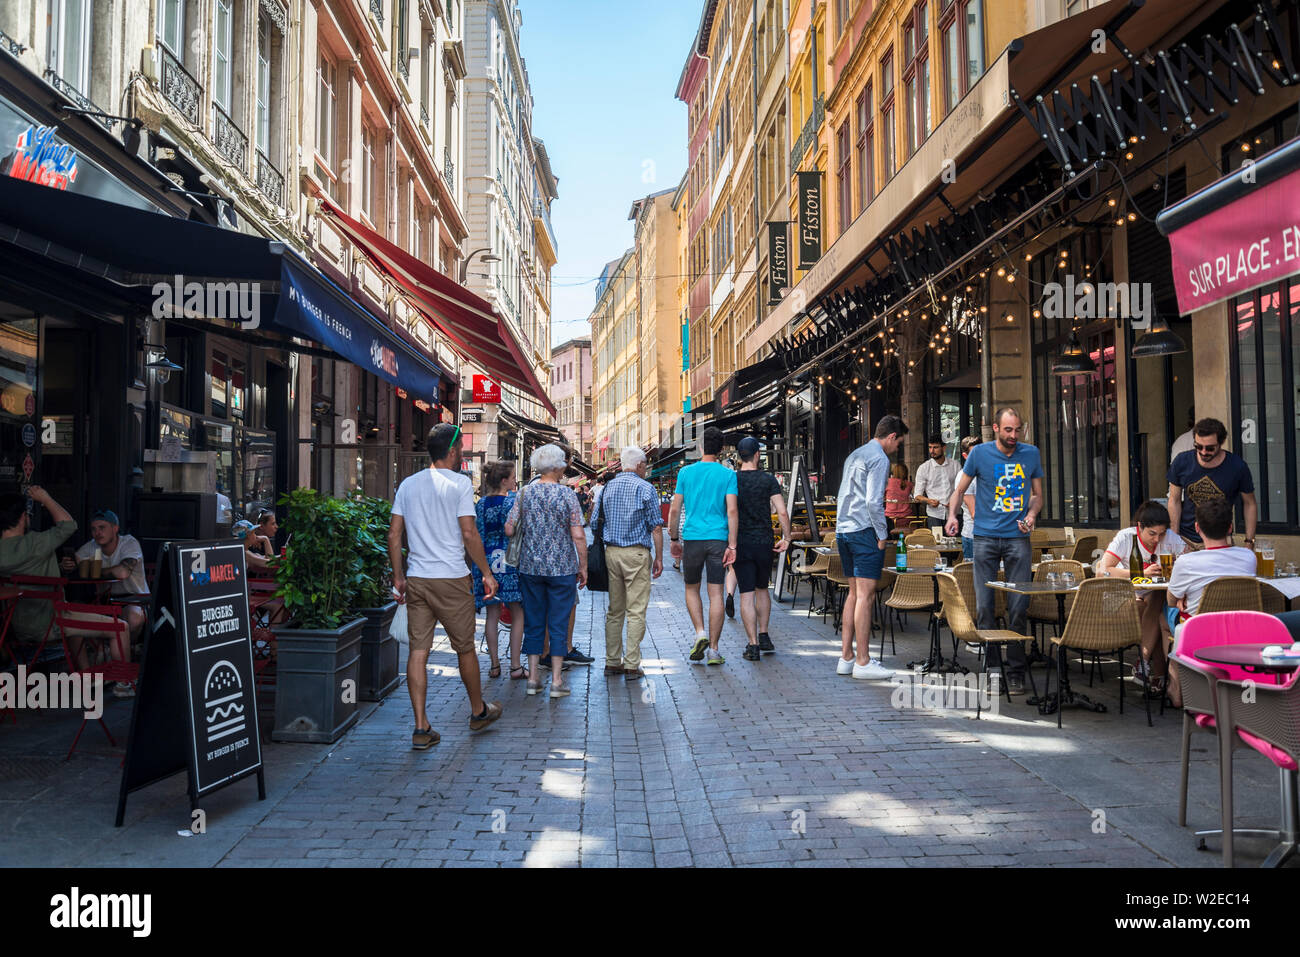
x,y
374,597
319,649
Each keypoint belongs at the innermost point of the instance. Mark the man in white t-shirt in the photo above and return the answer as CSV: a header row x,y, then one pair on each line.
x,y
123,561
1152,536
1194,571
435,510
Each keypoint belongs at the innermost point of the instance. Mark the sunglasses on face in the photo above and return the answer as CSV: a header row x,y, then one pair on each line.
x,y
1206,449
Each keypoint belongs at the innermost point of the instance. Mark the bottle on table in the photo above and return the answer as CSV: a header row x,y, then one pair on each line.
x,y
900,555
1135,560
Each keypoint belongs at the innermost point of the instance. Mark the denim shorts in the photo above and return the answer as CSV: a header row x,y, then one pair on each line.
x,y
861,554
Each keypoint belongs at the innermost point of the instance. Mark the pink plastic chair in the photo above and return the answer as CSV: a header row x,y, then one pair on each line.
x,y
1200,681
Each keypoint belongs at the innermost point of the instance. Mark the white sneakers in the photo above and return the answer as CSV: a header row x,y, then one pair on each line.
x,y
872,670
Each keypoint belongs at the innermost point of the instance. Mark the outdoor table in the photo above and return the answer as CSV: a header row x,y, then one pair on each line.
x,y
1288,585
934,659
1247,657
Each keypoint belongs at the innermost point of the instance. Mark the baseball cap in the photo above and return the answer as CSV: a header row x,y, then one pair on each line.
x,y
105,515
240,527
748,445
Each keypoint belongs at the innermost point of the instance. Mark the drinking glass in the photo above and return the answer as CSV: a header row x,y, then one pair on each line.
x,y
1067,579
1290,569
1267,566
1166,565
1053,578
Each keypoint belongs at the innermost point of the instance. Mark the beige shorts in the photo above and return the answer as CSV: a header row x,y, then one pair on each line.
x,y
446,600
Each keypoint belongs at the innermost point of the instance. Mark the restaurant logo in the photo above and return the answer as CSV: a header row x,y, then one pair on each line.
x,y
75,910
810,219
486,389
237,301
1131,301
42,159
201,574
383,358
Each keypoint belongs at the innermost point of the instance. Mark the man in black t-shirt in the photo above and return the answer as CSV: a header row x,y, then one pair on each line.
x,y
759,496
1209,472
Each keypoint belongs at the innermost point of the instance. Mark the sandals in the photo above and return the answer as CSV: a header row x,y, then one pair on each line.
x,y
495,670
523,673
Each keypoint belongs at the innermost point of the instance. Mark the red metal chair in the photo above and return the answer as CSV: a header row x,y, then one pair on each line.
x,y
34,588
264,606
89,622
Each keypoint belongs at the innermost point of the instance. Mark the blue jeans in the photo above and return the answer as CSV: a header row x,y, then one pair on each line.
x,y
1014,554
967,549
547,600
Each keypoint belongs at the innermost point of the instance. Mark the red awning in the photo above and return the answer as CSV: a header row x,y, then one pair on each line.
x,y
465,318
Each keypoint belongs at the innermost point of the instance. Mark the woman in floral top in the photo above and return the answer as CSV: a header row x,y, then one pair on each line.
x,y
552,562
491,511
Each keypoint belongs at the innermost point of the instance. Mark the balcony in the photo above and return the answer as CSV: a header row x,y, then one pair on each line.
x,y
809,135
377,11
403,65
10,44
424,116
270,180
505,297
75,95
229,139
448,168
179,88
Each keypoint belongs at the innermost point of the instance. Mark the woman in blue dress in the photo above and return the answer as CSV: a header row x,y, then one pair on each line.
x,y
498,498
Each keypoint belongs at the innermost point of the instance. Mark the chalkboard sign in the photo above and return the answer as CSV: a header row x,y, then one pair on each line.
x,y
196,675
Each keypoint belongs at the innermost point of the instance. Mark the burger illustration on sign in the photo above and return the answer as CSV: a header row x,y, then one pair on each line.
x,y
222,707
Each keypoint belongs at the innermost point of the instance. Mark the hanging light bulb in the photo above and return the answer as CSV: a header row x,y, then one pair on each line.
x,y
1159,340
1073,360
1001,271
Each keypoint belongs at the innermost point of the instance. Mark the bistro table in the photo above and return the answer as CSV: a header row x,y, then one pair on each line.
x,y
934,660
1247,657
1047,704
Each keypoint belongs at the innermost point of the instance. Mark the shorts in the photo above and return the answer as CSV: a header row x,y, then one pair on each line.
x,y
861,554
446,600
700,555
753,566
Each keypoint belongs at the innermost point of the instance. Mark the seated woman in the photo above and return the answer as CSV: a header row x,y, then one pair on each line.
x,y
1150,535
898,497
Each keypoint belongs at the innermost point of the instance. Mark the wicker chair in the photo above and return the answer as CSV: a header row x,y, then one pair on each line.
x,y
1104,620
812,571
911,593
922,557
962,623
1231,593
1083,549
1038,540
923,537
1272,601
838,580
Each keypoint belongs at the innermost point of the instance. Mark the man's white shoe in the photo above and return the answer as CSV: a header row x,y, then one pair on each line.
x,y
844,667
872,670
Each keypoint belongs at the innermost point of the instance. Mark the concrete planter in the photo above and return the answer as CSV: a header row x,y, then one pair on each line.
x,y
312,703
379,652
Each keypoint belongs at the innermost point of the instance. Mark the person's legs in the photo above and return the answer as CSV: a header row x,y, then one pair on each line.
x,y
533,592
516,633
693,554
638,599
986,556
492,615
573,617
967,549
617,613
742,575
865,592
1151,613
561,594
716,575
421,621
455,598
1016,554
848,619
762,609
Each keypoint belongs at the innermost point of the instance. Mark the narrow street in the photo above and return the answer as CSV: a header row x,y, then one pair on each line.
x,y
779,762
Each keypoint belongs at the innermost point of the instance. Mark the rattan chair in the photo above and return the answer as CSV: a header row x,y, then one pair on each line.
x,y
812,571
1083,549
1104,620
1231,593
1038,540
836,579
923,537
910,593
1043,610
1272,601
922,557
962,624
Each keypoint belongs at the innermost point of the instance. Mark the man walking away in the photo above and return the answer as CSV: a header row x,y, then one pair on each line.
x,y
707,544
861,536
935,479
435,510
759,496
1008,496
630,523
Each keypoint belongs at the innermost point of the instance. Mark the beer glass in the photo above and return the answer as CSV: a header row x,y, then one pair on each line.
x,y
1266,559
1166,565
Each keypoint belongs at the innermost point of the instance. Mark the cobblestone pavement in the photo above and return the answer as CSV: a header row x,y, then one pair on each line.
x,y
771,763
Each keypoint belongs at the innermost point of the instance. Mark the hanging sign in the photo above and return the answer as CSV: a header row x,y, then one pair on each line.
x,y
778,261
810,219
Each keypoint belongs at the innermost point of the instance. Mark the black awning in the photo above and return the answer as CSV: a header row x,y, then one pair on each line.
x,y
525,424
761,405
1270,167
741,385
178,268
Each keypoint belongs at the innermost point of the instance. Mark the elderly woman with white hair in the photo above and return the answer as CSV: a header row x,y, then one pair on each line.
x,y
552,562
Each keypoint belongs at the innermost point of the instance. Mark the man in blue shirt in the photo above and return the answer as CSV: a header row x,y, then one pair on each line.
x,y
1208,472
708,490
861,535
1008,497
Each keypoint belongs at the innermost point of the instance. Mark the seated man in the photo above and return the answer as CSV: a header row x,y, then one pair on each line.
x,y
256,557
123,561
1219,559
23,552
1152,535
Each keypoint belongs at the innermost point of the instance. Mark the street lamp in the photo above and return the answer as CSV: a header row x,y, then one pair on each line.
x,y
491,257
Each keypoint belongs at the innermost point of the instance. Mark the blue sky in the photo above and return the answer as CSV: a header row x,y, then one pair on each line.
x,y
603,76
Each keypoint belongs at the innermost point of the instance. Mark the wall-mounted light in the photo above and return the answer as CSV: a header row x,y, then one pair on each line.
x,y
159,363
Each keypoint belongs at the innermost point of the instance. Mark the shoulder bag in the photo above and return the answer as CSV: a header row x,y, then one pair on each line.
x,y
516,546
597,570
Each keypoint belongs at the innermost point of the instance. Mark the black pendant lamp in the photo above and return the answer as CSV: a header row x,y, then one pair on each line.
x,y
1073,360
1159,340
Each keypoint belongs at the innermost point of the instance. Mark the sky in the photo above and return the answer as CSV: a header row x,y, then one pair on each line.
x,y
604,75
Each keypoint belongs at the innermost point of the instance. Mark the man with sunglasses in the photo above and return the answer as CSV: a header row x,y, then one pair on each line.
x,y
1209,473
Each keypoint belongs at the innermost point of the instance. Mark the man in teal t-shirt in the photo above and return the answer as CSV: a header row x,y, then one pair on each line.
x,y
708,491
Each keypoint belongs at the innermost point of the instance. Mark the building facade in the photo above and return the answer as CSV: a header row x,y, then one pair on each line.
x,y
616,367
656,250
571,391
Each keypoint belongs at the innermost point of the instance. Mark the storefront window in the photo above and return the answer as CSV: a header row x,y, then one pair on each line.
x,y
18,424
1265,352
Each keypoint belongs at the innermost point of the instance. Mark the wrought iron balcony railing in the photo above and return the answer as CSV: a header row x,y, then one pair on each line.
x,y
10,44
377,8
403,65
179,88
229,139
270,180
448,167
424,116
76,96
809,134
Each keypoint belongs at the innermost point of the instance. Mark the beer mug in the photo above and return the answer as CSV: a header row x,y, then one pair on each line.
x,y
1166,565
1265,558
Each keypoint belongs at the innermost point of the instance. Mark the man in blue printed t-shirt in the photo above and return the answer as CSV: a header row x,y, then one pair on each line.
x,y
1008,496
707,542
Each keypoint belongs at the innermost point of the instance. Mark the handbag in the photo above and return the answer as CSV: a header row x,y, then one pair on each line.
x,y
516,546
597,570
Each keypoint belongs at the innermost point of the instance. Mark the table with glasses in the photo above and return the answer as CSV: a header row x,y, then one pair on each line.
x,y
1249,658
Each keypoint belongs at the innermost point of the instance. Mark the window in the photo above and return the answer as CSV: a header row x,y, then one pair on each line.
x,y
961,38
887,157
974,42
263,125
866,149
326,121
842,15
70,42
222,44
171,26
916,75
843,177
367,172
